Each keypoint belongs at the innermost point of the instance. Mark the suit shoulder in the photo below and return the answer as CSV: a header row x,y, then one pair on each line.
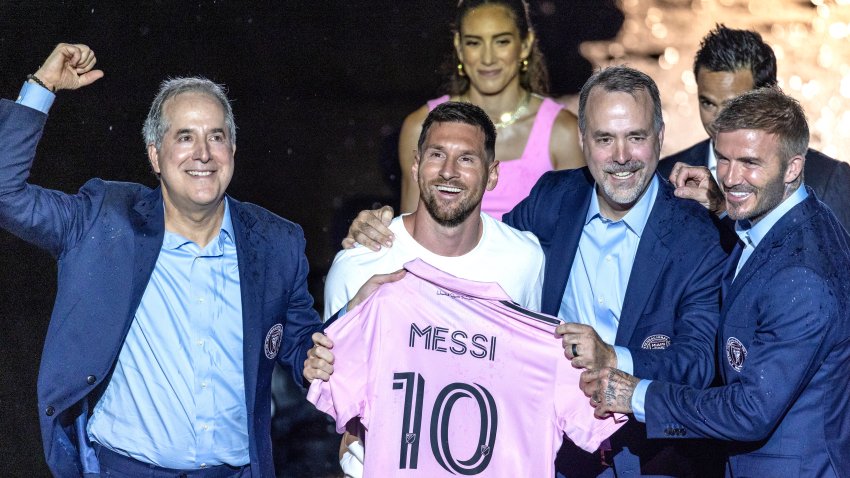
x,y
695,156
690,220
267,218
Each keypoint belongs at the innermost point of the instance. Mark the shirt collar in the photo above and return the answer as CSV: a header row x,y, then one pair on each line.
x,y
753,235
176,241
637,216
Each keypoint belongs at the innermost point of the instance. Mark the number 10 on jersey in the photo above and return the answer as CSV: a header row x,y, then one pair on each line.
x,y
413,386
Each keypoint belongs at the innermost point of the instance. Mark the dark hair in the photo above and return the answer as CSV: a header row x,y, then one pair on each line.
x,y
771,111
461,112
534,79
156,124
727,49
622,79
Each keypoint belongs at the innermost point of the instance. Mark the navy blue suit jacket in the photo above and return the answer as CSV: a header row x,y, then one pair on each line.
x,y
785,357
107,238
829,177
673,291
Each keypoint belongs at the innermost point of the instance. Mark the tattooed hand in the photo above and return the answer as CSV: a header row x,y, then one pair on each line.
x,y
610,390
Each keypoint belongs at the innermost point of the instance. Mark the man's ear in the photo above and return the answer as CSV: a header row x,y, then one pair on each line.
x,y
493,175
414,169
153,157
794,169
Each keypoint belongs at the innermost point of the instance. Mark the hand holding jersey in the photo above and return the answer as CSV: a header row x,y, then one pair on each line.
x,y
443,364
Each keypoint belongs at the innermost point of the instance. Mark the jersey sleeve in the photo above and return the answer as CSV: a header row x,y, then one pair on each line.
x,y
346,394
574,412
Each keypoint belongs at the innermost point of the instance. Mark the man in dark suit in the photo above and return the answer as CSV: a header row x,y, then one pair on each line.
x,y
731,62
636,270
785,327
173,303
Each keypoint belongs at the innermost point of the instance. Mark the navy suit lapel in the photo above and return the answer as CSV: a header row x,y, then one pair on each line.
x,y
729,271
564,245
774,238
250,252
149,226
649,262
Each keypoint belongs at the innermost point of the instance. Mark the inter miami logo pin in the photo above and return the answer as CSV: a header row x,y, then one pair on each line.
x,y
736,353
656,342
272,342
410,438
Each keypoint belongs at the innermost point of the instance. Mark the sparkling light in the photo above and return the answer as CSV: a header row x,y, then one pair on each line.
x,y
811,41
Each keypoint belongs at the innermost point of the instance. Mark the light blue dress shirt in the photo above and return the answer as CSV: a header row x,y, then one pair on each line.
x,y
751,236
177,396
600,273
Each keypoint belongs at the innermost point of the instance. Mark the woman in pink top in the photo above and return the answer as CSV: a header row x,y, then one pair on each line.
x,y
501,70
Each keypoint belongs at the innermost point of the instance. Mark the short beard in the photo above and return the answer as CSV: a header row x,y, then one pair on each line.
x,y
771,196
453,218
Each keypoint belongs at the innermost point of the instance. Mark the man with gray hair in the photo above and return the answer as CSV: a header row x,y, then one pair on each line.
x,y
173,304
785,327
632,270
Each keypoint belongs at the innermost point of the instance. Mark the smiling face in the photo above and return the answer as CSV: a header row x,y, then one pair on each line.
x,y
452,172
195,161
490,48
621,147
716,88
752,174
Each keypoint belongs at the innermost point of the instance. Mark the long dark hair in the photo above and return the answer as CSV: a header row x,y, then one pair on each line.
x,y
534,79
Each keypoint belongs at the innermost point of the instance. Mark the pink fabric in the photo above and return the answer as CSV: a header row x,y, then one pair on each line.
x,y
448,377
517,177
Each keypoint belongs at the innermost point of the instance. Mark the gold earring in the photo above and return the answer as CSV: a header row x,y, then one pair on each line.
x,y
523,65
460,69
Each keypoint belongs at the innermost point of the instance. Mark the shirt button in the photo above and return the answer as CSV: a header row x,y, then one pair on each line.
x,y
607,258
91,379
200,299
206,427
203,465
200,342
203,384
49,411
600,300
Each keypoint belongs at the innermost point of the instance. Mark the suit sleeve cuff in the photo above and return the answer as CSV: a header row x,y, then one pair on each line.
x,y
639,400
624,359
36,97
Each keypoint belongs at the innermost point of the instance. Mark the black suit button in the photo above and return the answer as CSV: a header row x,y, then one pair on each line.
x,y
49,411
91,379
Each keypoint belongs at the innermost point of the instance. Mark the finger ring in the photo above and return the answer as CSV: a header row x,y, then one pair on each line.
x,y
574,350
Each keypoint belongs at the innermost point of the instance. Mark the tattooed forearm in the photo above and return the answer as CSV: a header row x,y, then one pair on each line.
x,y
618,393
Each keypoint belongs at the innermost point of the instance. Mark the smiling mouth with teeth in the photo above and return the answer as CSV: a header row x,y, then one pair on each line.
x,y
199,173
448,189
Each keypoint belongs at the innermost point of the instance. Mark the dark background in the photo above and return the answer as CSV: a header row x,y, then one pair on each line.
x,y
319,90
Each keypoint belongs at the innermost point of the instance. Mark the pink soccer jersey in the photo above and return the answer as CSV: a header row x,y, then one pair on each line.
x,y
449,377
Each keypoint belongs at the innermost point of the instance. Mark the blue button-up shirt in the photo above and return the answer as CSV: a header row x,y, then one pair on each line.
x,y
600,273
751,236
177,396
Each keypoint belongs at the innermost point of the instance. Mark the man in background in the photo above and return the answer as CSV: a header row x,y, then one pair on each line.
x,y
732,62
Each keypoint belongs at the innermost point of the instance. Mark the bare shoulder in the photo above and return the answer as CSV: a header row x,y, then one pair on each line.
x,y
564,145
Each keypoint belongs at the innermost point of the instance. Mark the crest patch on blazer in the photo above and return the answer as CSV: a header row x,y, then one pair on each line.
x,y
273,339
656,342
736,353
